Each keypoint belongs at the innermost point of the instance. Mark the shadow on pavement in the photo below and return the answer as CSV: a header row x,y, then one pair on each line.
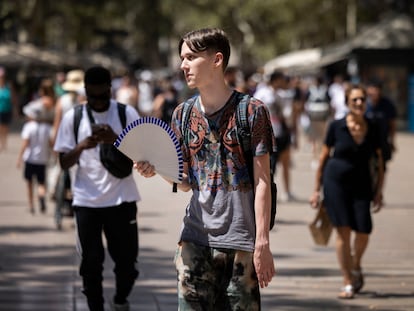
x,y
35,277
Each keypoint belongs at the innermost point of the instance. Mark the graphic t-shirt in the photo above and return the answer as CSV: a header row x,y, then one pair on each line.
x,y
221,212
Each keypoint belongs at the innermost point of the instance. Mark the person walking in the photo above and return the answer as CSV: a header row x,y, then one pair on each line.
x,y
127,92
7,100
318,110
34,153
272,96
62,179
336,92
45,103
223,255
73,87
101,201
382,110
166,101
348,191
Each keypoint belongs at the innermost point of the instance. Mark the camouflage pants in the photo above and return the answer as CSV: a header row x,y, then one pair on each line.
x,y
212,279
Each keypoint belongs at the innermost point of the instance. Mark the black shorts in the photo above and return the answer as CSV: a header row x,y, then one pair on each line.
x,y
283,142
5,118
35,170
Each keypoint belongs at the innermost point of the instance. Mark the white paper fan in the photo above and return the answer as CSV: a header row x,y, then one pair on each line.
x,y
151,139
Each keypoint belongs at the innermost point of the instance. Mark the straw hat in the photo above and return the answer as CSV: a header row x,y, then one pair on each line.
x,y
74,81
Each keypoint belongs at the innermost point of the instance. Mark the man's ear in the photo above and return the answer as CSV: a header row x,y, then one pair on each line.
x,y
218,61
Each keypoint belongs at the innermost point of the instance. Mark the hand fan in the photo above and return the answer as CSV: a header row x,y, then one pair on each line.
x,y
151,139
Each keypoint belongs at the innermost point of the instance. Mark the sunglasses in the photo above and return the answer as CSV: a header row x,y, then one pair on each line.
x,y
358,98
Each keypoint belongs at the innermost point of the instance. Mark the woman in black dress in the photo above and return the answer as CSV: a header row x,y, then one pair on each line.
x,y
344,172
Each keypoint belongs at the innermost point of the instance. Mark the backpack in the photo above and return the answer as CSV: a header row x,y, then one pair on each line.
x,y
317,106
118,164
243,137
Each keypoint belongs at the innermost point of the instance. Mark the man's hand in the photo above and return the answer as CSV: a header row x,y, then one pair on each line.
x,y
264,265
145,168
103,133
377,202
88,143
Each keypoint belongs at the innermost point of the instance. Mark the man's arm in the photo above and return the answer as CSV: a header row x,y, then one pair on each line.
x,y
57,119
263,259
70,158
391,135
25,144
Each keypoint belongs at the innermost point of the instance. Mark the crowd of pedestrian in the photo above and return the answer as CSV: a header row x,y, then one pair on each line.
x,y
344,125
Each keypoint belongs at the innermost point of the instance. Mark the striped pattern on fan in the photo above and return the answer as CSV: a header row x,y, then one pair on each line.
x,y
151,139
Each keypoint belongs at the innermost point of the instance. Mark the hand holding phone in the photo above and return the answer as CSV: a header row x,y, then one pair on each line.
x,y
96,129
103,133
97,132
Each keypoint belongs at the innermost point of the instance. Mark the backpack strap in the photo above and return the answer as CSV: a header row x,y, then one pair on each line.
x,y
122,114
243,132
185,118
76,120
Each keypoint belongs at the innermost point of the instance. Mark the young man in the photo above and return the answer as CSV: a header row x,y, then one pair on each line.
x,y
223,255
101,201
381,109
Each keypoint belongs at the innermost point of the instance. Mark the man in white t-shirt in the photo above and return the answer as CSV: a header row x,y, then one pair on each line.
x,y
336,92
101,201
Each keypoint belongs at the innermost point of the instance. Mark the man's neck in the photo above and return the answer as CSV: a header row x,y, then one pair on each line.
x,y
214,99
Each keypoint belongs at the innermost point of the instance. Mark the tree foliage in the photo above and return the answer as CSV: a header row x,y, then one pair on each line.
x,y
144,33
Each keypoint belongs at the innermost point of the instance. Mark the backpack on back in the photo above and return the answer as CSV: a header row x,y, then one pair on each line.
x,y
317,106
243,137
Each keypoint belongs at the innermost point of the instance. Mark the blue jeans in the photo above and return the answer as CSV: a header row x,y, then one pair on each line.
x,y
119,225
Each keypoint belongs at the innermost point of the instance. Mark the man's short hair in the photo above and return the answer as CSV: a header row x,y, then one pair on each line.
x,y
276,75
374,82
207,39
97,75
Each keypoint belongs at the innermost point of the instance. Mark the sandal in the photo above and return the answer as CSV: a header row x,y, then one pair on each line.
x,y
358,281
347,292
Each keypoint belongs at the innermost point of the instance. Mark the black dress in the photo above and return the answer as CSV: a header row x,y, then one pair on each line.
x,y
347,184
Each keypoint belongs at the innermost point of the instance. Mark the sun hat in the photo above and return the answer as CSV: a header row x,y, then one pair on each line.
x,y
74,81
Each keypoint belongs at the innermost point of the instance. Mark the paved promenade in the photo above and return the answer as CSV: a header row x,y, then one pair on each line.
x,y
39,265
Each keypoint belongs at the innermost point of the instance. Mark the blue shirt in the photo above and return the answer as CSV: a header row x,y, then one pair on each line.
x,y
5,99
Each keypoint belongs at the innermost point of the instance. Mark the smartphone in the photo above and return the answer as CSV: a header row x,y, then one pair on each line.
x,y
96,128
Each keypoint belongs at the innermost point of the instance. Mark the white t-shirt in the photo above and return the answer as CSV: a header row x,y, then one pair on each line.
x,y
38,134
94,186
337,94
272,101
67,101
